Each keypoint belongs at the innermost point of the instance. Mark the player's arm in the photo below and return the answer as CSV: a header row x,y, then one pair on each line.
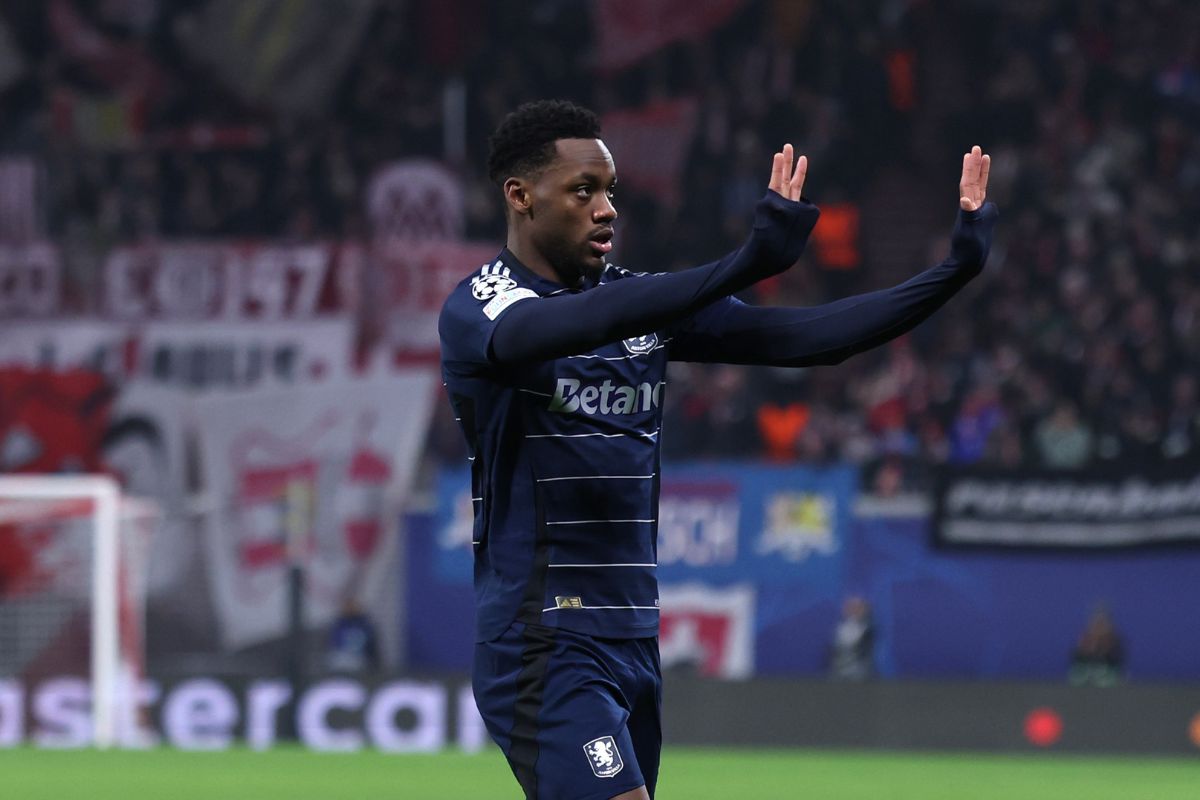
x,y
552,327
729,331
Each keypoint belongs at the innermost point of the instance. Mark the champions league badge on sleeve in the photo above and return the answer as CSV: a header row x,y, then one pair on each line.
x,y
640,345
485,287
603,756
493,279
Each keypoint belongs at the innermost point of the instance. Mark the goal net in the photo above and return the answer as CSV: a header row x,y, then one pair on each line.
x,y
72,588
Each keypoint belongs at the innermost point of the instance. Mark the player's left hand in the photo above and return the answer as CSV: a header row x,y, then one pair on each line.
x,y
781,168
972,188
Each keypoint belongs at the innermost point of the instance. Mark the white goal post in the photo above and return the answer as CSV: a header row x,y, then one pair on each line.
x,y
32,499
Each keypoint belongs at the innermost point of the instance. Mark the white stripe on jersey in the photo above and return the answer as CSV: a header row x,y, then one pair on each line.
x,y
582,435
628,273
596,521
585,566
619,358
531,391
624,358
597,478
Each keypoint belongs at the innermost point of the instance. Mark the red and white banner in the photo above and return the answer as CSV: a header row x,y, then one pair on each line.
x,y
395,284
707,629
55,345
651,143
629,30
246,280
145,447
52,421
314,476
234,355
195,356
417,278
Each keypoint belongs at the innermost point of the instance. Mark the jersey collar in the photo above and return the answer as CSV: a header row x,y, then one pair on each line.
x,y
543,286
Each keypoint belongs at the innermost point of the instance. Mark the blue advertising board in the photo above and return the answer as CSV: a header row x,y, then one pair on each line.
x,y
786,543
957,613
781,530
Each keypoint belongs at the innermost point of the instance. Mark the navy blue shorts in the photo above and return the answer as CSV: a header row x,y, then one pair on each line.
x,y
578,717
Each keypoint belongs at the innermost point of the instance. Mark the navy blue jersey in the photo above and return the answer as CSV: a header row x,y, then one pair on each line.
x,y
565,466
564,445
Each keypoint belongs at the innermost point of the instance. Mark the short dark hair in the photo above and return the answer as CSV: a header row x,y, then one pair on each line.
x,y
523,142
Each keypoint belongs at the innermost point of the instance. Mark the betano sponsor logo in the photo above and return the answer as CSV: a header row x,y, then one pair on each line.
x,y
572,396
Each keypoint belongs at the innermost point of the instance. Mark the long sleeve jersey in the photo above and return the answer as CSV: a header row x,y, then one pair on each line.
x,y
559,392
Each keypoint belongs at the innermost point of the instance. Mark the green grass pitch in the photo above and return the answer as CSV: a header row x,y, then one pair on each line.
x,y
687,774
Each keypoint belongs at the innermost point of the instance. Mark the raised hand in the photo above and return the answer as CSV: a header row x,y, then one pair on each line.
x,y
972,188
781,168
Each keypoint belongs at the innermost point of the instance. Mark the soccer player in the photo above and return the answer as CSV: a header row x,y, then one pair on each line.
x,y
554,361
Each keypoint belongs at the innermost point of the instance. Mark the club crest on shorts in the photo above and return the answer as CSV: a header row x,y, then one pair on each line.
x,y
640,345
603,756
485,287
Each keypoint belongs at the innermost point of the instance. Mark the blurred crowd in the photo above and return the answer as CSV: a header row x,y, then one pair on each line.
x,y
1076,348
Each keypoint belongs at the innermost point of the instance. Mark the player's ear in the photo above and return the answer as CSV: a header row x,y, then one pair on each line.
x,y
518,195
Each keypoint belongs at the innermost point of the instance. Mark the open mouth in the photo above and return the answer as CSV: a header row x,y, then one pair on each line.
x,y
601,242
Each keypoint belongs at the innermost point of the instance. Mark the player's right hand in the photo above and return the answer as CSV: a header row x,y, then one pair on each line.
x,y
972,187
781,167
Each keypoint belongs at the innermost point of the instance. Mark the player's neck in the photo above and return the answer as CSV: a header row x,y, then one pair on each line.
x,y
532,259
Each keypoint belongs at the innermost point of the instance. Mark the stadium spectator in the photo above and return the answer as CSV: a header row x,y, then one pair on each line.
x,y
1099,656
1182,430
352,644
852,652
1063,441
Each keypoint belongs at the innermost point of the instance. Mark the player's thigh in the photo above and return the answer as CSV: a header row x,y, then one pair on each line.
x,y
645,733
553,703
643,689
585,747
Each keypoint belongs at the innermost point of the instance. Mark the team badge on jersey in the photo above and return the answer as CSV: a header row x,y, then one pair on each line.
x,y
492,280
640,345
603,756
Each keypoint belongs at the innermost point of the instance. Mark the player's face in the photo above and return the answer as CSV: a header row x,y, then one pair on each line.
x,y
572,209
